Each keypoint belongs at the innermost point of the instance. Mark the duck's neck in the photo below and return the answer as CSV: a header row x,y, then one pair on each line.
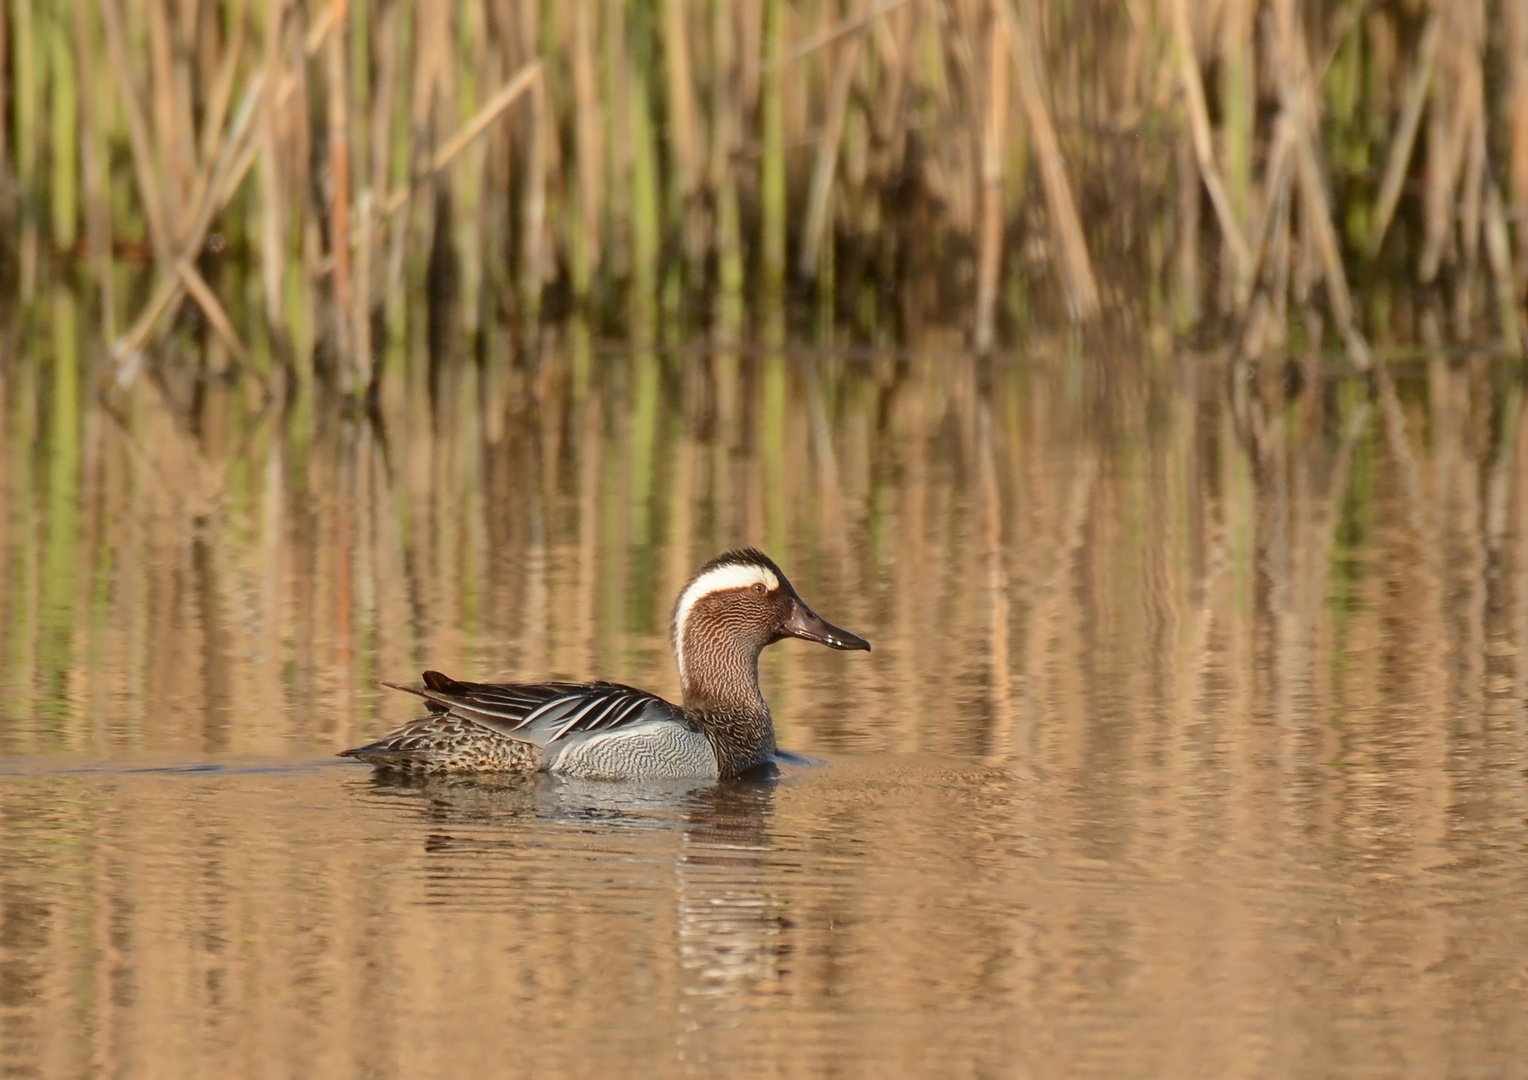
x,y
722,696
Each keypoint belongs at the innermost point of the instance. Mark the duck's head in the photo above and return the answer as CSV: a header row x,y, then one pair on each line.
x,y
733,607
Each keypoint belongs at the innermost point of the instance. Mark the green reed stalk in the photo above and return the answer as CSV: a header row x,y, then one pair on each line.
x,y
728,309
772,193
359,62
336,97
64,117
7,198
584,231
95,162
645,223
467,176
819,198
726,104
775,481
615,84
25,60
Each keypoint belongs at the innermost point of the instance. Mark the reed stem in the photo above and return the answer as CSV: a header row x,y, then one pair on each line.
x,y
772,195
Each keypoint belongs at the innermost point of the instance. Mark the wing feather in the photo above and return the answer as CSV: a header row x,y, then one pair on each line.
x,y
582,713
621,713
543,713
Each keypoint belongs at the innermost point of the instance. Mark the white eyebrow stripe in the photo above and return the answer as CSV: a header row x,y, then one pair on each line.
x,y
722,578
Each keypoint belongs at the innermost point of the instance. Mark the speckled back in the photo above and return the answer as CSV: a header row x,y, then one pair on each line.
x,y
657,750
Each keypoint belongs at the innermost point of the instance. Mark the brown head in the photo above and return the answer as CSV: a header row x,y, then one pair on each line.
x,y
733,607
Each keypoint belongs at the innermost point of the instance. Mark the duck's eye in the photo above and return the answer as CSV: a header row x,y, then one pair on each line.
x,y
760,588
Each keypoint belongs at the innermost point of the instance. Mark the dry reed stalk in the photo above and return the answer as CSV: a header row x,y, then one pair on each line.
x,y
189,86
1516,62
183,92
360,314
402,159
1451,119
1204,151
212,120
534,268
360,59
271,202
750,57
384,97
1274,197
821,191
1275,237
959,165
7,196
1238,101
469,209
139,138
772,193
645,222
889,119
95,168
1469,213
1298,97
388,159
586,237
28,58
506,96
336,97
614,83
1474,170
1077,267
989,260
162,99
197,286
428,97
1186,264
1499,256
860,20
1405,136
683,123
177,272
726,126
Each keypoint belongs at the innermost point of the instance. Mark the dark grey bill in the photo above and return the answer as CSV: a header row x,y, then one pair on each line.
x,y
807,624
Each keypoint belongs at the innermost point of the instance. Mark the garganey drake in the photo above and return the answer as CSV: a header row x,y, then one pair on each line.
x,y
737,604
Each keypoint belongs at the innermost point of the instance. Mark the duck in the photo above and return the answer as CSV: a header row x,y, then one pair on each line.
x,y
734,607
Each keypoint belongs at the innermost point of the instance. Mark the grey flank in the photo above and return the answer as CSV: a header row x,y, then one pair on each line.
x,y
658,749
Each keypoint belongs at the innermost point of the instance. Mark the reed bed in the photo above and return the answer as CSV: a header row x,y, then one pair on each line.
x,y
310,188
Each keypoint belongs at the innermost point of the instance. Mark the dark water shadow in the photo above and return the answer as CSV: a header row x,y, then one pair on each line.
x,y
486,799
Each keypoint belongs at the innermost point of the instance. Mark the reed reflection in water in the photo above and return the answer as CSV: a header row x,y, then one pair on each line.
x,y
1192,742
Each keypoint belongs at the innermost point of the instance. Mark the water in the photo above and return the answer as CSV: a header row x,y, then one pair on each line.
x,y
1192,743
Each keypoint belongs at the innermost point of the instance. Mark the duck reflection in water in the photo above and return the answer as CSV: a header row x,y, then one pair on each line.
x,y
733,932
542,844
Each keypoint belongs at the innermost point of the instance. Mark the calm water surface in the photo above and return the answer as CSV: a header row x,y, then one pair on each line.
x,y
1192,744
